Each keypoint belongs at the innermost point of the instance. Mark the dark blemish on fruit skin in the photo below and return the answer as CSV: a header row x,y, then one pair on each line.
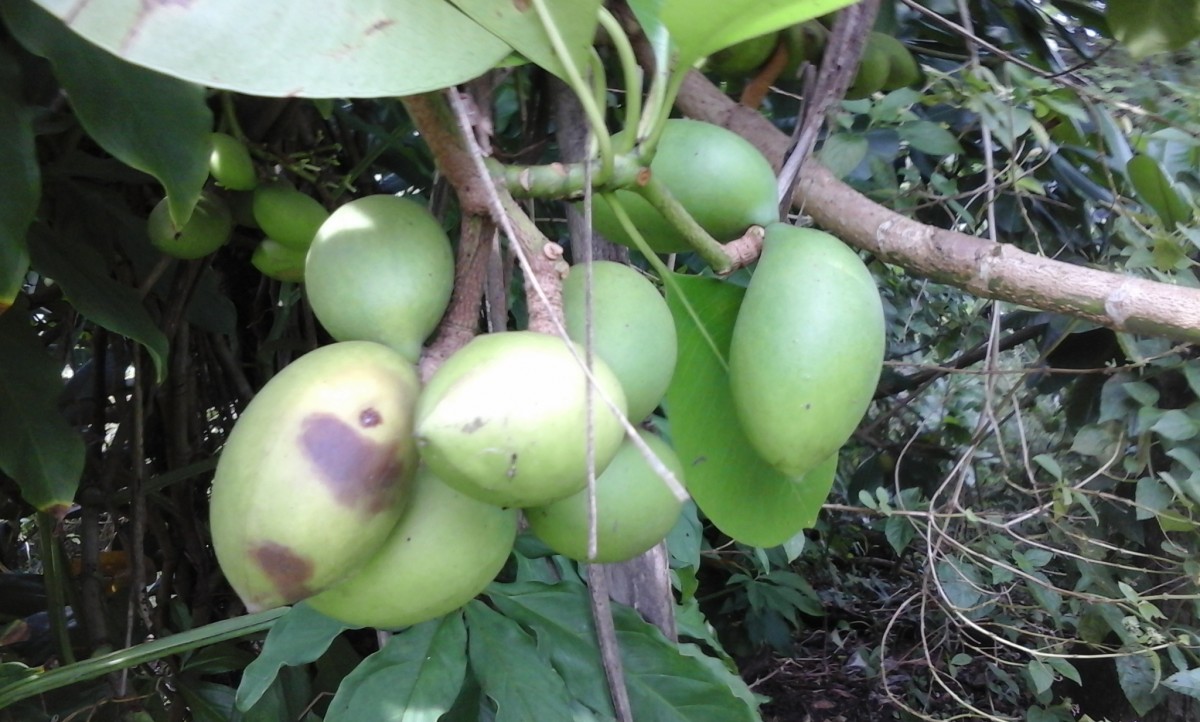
x,y
359,472
288,571
475,425
369,418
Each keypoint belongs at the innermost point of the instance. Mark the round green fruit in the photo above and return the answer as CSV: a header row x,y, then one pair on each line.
x,y
873,70
230,164
903,69
738,61
380,269
503,420
805,42
634,508
715,174
315,473
207,230
807,348
278,261
287,215
446,548
632,330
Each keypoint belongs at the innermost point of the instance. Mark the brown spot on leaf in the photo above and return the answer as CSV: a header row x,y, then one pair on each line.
x,y
288,571
521,5
642,177
474,425
380,25
359,472
369,418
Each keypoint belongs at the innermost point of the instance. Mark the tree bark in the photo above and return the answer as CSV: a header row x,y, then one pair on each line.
x,y
990,270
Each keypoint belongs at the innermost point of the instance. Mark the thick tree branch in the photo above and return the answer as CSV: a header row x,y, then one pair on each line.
x,y
990,270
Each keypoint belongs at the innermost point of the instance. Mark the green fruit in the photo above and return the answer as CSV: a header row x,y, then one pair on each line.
x,y
903,69
230,163
873,70
634,508
807,348
278,261
805,42
446,548
207,230
632,330
381,269
241,205
503,420
716,175
315,473
738,61
287,215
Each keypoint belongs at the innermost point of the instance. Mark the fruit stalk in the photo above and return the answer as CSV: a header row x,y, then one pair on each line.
x,y
657,195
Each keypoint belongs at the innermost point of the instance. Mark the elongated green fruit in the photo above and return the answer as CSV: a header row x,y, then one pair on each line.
x,y
315,473
632,330
230,163
504,421
807,348
634,508
446,548
287,215
380,269
207,230
278,261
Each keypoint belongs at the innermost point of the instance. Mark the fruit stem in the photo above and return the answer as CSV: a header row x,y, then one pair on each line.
x,y
561,180
632,73
657,195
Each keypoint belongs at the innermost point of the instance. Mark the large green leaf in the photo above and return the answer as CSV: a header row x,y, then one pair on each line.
x,y
1156,190
83,276
37,447
306,48
1146,27
702,27
511,672
298,637
739,492
149,121
414,678
519,25
20,182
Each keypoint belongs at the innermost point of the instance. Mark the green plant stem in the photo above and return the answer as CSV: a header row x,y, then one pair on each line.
x,y
53,574
658,196
560,180
632,78
575,80
125,658
663,113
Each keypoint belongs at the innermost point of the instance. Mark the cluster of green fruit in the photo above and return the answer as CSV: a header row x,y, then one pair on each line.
x,y
384,503
887,64
289,218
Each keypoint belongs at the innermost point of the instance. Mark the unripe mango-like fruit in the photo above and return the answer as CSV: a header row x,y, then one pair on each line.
x,y
230,164
503,420
741,59
873,69
903,69
315,473
207,230
446,548
287,215
805,42
380,269
634,508
632,330
807,348
715,174
275,260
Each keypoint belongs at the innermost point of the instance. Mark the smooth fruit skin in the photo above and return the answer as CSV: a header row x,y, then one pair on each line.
x,y
446,548
503,420
230,164
381,269
716,175
634,508
207,230
632,330
275,260
807,348
287,215
738,61
873,70
315,473
903,69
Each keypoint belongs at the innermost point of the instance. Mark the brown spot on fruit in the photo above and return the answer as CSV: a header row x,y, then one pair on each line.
x,y
475,425
288,571
369,418
359,472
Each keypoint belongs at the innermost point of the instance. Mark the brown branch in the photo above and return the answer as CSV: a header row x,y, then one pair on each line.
x,y
461,321
990,270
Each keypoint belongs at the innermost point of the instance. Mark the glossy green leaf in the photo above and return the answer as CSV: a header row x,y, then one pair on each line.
x,y
298,637
738,491
20,183
1146,27
506,662
1156,190
519,25
415,677
702,27
306,48
929,137
149,121
37,447
1139,676
83,275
